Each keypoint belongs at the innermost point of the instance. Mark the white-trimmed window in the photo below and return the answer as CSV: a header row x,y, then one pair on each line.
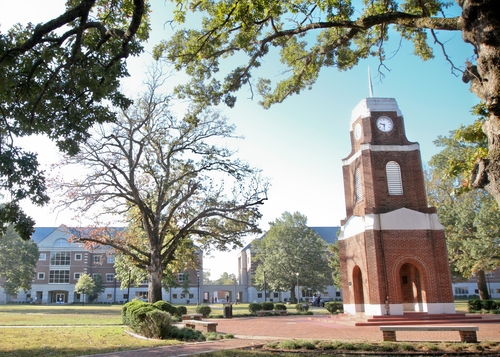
x,y
41,276
110,277
77,276
358,185
97,259
60,258
394,182
95,275
461,290
180,277
61,242
78,256
59,277
110,259
43,256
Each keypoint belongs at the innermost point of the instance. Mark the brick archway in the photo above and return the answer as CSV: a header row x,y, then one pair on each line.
x,y
357,281
411,287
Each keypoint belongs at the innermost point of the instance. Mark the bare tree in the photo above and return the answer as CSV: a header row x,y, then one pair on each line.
x,y
170,177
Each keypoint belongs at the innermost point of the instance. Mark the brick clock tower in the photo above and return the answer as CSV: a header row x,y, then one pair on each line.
x,y
393,254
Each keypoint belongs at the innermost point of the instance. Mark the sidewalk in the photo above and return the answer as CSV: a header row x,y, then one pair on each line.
x,y
256,331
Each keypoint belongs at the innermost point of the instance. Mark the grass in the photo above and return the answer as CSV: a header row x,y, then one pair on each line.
x,y
75,330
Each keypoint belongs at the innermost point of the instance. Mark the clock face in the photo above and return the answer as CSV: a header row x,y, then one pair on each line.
x,y
357,131
384,124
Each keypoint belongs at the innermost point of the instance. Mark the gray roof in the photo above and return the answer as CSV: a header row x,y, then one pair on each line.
x,y
41,233
329,235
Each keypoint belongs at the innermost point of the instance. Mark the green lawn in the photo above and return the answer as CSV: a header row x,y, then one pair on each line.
x,y
75,330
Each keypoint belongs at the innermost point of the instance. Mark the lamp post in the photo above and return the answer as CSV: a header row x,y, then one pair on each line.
x,y
128,289
198,279
265,297
298,289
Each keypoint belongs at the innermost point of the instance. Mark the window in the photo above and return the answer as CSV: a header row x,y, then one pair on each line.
x,y
174,296
110,259
141,295
43,256
497,291
183,296
394,182
276,295
191,296
180,277
78,256
61,242
41,276
59,277
110,277
459,290
109,296
60,258
77,276
358,185
125,297
97,259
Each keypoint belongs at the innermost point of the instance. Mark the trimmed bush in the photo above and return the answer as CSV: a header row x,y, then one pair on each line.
x,y
154,324
300,307
130,306
254,307
474,305
205,310
186,334
166,306
267,305
334,307
181,310
488,305
280,306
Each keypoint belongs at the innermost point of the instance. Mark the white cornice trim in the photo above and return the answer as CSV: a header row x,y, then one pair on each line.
x,y
402,219
411,147
367,105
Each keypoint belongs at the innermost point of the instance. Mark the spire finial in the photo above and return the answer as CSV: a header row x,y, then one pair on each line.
x,y
370,83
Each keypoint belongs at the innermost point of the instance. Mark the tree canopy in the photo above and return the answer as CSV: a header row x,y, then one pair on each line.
x,y
289,248
173,179
57,79
470,217
18,260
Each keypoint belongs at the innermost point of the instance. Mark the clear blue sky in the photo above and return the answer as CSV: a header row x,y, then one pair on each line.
x,y
300,143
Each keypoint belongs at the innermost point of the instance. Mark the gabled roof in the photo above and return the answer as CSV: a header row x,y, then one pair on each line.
x,y
41,233
329,235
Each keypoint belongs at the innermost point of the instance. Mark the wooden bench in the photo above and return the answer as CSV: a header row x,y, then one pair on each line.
x,y
467,333
207,326
198,317
271,312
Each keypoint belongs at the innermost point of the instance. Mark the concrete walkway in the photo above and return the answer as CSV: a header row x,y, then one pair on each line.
x,y
256,331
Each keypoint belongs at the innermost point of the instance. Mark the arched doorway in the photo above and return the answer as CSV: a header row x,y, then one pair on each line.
x,y
411,289
359,298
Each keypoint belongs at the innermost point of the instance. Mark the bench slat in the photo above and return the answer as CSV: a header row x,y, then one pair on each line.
x,y
428,328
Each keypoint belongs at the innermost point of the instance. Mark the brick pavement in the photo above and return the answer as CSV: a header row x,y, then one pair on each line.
x,y
256,331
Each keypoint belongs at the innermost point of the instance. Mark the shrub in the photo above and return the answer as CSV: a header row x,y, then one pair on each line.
x,y
205,310
474,305
165,306
334,307
267,305
181,310
186,334
154,324
488,304
128,306
254,307
280,306
302,307
137,314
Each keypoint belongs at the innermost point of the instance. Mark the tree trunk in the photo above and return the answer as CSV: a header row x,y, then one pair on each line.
x,y
482,285
155,273
481,28
292,295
